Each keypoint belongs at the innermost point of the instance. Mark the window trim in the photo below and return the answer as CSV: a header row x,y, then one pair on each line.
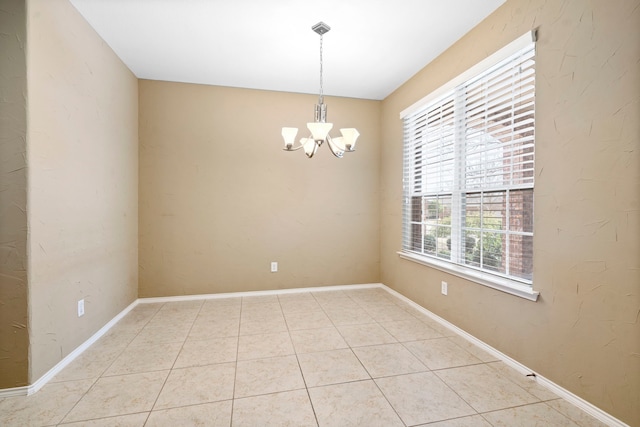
x,y
512,287
503,284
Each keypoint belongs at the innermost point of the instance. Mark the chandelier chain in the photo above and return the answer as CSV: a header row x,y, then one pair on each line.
x,y
321,86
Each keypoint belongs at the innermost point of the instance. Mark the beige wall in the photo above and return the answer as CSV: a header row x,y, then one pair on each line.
x,y
583,333
83,174
14,339
220,199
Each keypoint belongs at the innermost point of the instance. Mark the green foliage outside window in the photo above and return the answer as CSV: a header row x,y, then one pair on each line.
x,y
490,244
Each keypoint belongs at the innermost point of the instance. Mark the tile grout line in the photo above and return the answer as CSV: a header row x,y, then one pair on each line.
x,y
435,372
401,343
235,371
78,401
530,404
364,367
101,375
166,378
295,352
164,383
389,403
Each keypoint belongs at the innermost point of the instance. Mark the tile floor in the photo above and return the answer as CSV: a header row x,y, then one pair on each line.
x,y
359,357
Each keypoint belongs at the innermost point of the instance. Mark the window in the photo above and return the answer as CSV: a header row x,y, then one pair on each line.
x,y
469,172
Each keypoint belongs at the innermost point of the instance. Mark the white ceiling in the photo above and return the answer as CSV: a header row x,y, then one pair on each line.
x,y
373,47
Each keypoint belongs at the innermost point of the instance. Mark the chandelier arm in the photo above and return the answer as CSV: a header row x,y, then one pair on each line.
x,y
338,153
300,145
293,148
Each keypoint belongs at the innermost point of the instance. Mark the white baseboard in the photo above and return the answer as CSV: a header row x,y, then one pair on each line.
x,y
256,293
40,382
587,407
14,391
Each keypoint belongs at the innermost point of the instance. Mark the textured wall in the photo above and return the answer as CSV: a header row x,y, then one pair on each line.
x,y
83,175
220,199
584,332
14,340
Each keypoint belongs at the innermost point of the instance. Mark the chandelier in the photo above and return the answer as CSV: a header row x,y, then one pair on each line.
x,y
320,128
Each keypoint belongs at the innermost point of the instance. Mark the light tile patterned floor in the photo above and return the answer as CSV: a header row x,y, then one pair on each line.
x,y
358,357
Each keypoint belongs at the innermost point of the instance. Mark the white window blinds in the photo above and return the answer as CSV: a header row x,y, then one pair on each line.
x,y
499,119
469,169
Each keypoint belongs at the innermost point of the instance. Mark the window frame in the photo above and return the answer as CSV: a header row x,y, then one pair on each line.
x,y
451,91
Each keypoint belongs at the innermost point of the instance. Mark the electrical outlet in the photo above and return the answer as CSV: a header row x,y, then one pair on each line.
x,y
274,266
81,308
445,288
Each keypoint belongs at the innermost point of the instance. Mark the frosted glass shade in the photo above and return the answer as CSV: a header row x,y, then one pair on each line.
x,y
309,145
349,137
319,130
289,135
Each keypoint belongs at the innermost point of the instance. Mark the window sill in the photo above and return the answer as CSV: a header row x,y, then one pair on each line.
x,y
505,285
